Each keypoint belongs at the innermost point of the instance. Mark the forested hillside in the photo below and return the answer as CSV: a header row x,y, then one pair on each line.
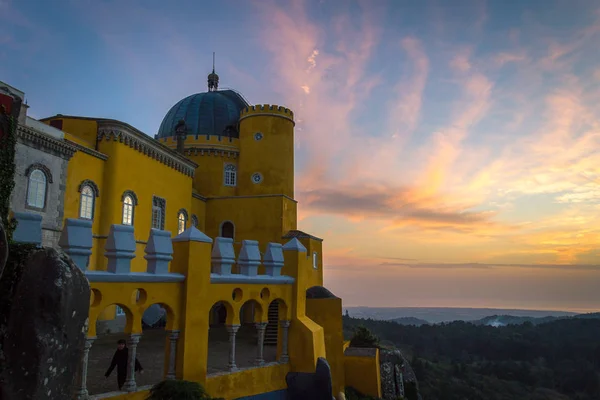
x,y
559,360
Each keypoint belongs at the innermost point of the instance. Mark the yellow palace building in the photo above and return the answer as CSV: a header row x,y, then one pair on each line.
x,y
200,220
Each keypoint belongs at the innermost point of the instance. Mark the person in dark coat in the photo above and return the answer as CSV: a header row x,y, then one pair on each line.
x,y
119,360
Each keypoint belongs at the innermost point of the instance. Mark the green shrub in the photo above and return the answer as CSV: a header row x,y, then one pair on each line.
x,y
364,338
179,390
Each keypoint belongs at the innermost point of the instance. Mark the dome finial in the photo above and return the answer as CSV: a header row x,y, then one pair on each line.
x,y
213,78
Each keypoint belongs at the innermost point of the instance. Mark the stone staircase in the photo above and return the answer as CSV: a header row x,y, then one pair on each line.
x,y
273,325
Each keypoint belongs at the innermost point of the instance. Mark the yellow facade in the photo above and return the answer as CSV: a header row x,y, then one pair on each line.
x,y
118,160
364,372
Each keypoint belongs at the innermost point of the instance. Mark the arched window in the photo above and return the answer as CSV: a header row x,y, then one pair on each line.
x,y
87,199
181,222
128,211
129,200
227,229
86,206
230,175
159,206
36,189
194,221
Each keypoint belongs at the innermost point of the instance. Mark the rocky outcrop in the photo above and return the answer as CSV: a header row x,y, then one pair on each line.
x,y
396,374
44,302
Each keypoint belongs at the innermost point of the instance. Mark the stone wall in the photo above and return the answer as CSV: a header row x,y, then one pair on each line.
x,y
30,151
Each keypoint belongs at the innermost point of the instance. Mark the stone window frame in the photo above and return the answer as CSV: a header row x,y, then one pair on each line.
x,y
87,183
315,260
47,175
223,224
134,202
159,204
182,216
194,221
230,175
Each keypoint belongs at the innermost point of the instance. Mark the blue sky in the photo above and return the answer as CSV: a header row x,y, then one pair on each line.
x,y
446,133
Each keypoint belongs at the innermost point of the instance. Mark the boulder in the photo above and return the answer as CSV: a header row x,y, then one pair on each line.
x,y
3,248
307,385
43,325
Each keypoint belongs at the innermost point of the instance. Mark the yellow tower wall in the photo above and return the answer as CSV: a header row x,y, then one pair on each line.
x,y
315,277
328,314
264,218
199,210
307,339
211,154
362,371
272,156
83,131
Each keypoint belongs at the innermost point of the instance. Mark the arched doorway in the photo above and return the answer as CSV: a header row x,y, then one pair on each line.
x,y
227,230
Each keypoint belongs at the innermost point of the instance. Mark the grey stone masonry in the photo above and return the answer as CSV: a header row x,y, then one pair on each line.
x,y
37,150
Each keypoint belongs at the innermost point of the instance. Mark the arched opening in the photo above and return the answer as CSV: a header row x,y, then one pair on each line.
x,y
273,325
227,230
218,338
274,335
247,339
153,348
113,326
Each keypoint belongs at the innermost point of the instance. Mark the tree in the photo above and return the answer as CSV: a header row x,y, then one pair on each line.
x,y
8,141
363,337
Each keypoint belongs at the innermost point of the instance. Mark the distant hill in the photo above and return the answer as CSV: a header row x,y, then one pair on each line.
x,y
504,320
436,315
410,321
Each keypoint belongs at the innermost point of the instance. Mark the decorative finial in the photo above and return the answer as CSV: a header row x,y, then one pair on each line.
x,y
213,78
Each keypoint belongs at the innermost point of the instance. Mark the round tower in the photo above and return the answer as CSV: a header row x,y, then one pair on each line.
x,y
266,160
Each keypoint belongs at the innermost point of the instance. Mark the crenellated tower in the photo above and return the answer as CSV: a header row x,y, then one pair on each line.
x,y
266,161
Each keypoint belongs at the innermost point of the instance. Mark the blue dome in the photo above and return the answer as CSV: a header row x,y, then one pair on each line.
x,y
208,113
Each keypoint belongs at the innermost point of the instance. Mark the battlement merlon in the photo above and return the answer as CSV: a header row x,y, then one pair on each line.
x,y
267,110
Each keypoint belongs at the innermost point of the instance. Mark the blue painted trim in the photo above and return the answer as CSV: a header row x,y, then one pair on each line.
x,y
262,279
26,216
103,276
294,245
192,234
29,228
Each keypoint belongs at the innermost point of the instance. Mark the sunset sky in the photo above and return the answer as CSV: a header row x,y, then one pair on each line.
x,y
447,151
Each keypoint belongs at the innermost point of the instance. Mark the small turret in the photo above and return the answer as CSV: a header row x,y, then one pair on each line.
x,y
181,135
213,78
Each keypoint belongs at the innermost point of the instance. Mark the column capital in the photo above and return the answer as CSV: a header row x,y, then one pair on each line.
x,y
174,334
134,338
284,323
233,328
261,325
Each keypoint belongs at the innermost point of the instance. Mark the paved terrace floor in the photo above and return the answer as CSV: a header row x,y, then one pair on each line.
x,y
150,353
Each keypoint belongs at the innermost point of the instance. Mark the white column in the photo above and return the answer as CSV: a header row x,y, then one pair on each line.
x,y
285,324
260,327
173,336
132,342
232,329
82,393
